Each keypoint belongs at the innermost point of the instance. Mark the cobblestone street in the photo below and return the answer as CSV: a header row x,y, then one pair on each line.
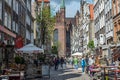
x,y
65,74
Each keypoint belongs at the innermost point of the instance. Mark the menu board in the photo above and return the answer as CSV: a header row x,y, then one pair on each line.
x,y
45,70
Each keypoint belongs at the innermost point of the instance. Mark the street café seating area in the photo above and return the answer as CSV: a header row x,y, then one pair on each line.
x,y
106,72
16,69
12,75
14,72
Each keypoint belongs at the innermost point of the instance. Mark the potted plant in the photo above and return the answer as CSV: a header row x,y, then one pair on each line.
x,y
19,61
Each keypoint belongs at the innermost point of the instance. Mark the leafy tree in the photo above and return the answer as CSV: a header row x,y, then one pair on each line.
x,y
91,45
54,50
19,60
46,24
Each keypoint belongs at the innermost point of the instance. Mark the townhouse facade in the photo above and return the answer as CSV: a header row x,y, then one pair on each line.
x,y
75,34
75,39
16,23
116,28
106,37
116,19
86,24
108,22
99,22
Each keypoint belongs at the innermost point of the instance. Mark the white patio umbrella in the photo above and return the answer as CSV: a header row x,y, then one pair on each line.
x,y
77,54
30,48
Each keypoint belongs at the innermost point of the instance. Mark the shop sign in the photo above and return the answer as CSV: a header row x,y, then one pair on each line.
x,y
18,42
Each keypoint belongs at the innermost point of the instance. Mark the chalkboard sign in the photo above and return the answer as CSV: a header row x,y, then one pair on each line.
x,y
45,70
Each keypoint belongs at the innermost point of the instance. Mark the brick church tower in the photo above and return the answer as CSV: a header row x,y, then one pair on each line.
x,y
60,31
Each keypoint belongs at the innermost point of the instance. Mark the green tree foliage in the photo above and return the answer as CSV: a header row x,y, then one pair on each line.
x,y
19,60
46,24
54,50
91,45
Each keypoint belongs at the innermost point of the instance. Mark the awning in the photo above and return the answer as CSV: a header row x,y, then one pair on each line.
x,y
3,29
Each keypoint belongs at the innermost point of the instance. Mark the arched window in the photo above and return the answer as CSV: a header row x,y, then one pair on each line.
x,y
56,35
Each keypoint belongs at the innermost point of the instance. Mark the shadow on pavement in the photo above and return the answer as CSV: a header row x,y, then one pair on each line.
x,y
61,74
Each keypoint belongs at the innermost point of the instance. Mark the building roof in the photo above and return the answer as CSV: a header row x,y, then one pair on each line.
x,y
70,20
46,1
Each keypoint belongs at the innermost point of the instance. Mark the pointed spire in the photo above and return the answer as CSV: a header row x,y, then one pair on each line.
x,y
62,4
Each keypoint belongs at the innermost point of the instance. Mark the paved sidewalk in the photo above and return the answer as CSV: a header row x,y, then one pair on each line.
x,y
63,74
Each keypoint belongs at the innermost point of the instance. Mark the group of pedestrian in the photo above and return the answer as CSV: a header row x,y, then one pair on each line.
x,y
59,61
83,62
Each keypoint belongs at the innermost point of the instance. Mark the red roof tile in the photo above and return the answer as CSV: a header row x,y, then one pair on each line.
x,y
91,11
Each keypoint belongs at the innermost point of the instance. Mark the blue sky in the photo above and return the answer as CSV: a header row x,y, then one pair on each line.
x,y
71,6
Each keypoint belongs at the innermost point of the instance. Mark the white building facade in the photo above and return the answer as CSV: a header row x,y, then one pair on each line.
x,y
108,21
86,26
99,23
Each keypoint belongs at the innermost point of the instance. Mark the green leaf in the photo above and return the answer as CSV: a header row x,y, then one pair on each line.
x,y
91,45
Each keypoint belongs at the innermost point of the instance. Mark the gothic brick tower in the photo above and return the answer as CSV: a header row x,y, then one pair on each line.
x,y
60,31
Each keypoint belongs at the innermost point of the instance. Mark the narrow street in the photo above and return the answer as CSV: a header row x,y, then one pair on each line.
x,y
64,74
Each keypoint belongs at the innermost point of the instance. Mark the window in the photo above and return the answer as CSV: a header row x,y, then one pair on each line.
x,y
111,24
9,21
16,7
56,35
118,6
114,7
110,4
5,19
9,2
13,25
106,28
16,27
103,19
119,39
28,19
27,34
28,4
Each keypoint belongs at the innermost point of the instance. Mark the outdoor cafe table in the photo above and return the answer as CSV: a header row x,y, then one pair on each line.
x,y
4,77
14,76
10,77
18,76
116,71
104,68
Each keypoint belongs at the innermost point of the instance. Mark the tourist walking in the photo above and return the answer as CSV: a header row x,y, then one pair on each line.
x,y
75,61
83,64
91,63
56,62
87,65
62,62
